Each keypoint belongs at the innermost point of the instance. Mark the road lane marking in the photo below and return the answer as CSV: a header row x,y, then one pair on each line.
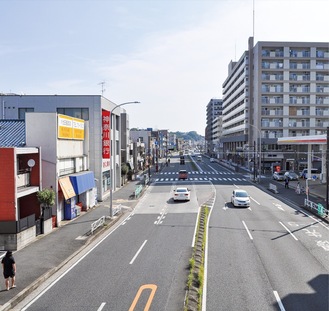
x,y
68,270
153,289
254,200
250,236
319,221
132,261
288,230
278,206
277,297
196,227
101,306
160,219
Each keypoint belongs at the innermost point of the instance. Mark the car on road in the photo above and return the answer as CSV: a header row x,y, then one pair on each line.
x,y
182,174
199,158
279,175
182,160
291,175
240,198
182,194
212,160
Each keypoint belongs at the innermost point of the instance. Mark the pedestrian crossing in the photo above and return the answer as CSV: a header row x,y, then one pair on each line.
x,y
200,176
199,173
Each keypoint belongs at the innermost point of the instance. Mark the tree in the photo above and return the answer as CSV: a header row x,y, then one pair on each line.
x,y
124,169
46,197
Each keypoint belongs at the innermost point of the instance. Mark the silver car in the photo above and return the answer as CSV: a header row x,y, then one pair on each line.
x,y
279,175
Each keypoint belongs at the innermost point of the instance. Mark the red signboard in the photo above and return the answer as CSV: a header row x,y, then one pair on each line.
x,y
106,131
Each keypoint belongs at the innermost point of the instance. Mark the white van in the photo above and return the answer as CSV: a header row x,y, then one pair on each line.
x,y
315,173
199,158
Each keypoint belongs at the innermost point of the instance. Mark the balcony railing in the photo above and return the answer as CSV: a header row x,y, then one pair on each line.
x,y
23,179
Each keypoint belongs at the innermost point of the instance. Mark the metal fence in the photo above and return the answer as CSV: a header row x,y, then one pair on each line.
x,y
318,207
99,222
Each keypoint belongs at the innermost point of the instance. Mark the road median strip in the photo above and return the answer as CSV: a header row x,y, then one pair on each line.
x,y
193,301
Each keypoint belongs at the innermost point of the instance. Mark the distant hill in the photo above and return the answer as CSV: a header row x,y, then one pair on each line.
x,y
193,135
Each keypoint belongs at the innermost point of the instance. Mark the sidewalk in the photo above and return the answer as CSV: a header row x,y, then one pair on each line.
x,y
48,253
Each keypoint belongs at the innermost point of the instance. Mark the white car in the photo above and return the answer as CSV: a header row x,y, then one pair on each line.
x,y
181,194
240,198
212,160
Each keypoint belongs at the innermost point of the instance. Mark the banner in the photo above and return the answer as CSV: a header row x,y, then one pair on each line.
x,y
106,134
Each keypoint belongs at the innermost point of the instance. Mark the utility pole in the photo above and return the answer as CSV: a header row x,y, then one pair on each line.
x,y
254,161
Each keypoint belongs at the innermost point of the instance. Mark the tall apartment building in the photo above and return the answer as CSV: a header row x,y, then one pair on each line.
x,y
214,112
275,89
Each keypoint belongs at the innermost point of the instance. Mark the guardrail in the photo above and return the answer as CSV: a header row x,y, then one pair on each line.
x,y
321,211
99,222
138,190
117,209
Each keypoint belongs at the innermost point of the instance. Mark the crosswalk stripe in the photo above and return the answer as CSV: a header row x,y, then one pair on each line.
x,y
198,173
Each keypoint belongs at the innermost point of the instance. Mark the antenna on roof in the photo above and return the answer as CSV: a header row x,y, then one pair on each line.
x,y
253,19
102,84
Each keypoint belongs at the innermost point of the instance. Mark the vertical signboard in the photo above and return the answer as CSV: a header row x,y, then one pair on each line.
x,y
106,131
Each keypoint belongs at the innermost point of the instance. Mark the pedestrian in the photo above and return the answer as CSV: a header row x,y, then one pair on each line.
x,y
298,188
286,182
9,269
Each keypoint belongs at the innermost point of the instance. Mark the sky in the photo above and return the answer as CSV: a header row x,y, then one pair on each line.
x,y
170,55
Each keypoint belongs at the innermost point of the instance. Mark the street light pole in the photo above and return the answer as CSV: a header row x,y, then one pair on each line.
x,y
259,147
112,179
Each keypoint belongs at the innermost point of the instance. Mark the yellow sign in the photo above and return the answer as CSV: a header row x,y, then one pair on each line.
x,y
70,128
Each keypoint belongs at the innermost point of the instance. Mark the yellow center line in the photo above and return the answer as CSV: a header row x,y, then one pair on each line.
x,y
153,289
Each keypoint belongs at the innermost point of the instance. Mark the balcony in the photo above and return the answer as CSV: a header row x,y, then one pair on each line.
x,y
272,112
303,112
23,179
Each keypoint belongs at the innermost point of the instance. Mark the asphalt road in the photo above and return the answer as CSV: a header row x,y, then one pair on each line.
x,y
270,256
142,263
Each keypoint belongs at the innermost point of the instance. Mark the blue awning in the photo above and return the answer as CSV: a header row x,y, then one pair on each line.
x,y
82,181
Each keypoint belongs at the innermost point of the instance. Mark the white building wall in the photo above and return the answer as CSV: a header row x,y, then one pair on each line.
x,y
50,103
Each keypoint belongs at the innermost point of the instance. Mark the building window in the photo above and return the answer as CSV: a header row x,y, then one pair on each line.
x,y
22,111
80,113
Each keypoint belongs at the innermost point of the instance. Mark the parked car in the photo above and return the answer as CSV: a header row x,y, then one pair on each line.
x,y
291,175
315,173
240,198
279,175
182,174
181,194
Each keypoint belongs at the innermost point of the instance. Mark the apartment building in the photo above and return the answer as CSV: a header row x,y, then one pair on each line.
x,y
213,121
276,89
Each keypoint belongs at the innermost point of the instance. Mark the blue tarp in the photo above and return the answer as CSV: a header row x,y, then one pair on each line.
x,y
82,182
